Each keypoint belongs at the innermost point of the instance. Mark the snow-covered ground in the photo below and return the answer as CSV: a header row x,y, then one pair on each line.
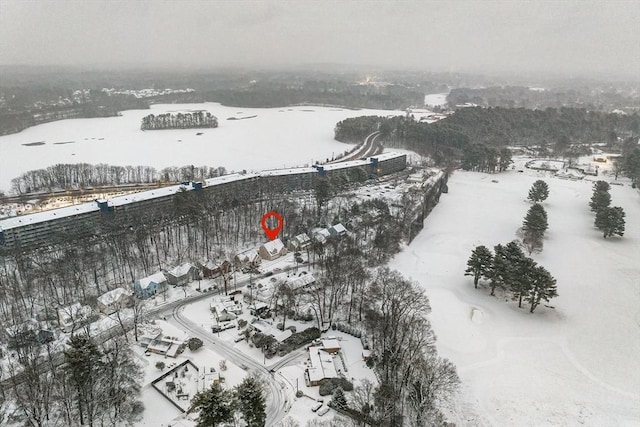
x,y
575,364
275,138
436,99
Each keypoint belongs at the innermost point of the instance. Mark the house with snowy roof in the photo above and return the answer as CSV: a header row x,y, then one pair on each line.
x,y
337,230
150,285
114,300
320,234
182,274
301,282
299,242
321,366
248,258
272,250
72,317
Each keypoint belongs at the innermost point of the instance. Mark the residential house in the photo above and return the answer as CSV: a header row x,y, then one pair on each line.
x,y
114,300
221,313
249,258
272,250
74,316
27,333
321,366
212,270
299,243
182,274
320,234
301,282
337,230
150,285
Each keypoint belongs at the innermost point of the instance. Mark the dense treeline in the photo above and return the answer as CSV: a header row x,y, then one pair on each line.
x,y
344,94
524,97
25,107
65,176
196,119
473,133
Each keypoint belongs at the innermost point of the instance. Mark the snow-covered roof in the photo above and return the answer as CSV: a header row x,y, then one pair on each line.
x,y
302,281
181,270
339,228
322,365
274,246
229,178
330,344
291,171
387,156
111,297
343,165
35,218
248,255
154,278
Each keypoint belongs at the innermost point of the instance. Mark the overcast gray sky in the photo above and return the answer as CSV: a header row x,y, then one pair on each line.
x,y
566,37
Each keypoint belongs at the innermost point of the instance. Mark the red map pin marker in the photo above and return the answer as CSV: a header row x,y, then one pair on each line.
x,y
272,233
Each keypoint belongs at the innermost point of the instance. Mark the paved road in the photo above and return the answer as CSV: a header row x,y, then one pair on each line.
x,y
279,393
369,148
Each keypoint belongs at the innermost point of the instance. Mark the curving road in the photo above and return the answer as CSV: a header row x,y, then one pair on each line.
x,y
370,147
280,393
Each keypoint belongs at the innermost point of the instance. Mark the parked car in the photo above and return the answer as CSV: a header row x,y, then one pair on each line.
x,y
317,406
323,410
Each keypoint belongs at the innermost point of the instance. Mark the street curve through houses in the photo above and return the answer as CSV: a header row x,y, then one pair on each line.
x,y
279,396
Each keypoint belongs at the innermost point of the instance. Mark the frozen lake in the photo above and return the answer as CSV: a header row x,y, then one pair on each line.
x,y
276,137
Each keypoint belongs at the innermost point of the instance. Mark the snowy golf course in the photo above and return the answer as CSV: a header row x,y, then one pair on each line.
x,y
574,364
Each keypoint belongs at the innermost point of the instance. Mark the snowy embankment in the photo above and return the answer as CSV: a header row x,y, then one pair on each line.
x,y
272,138
575,364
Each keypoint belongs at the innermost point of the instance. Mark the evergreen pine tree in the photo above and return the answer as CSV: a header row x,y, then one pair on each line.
x,y
601,186
522,279
534,226
499,268
600,199
610,221
479,264
539,191
542,287
339,401
215,406
251,402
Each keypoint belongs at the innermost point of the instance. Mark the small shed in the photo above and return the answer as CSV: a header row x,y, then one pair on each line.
x,y
182,274
272,250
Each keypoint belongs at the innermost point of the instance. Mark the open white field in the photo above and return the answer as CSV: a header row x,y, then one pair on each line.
x,y
576,364
274,138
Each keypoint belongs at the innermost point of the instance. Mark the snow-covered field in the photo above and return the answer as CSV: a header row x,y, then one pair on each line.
x,y
275,138
576,364
436,99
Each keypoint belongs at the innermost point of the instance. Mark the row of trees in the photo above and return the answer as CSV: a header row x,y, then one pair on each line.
x,y
510,270
609,220
92,384
217,405
196,119
66,176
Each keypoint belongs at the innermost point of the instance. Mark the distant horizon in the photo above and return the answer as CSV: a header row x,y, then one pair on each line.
x,y
329,68
567,39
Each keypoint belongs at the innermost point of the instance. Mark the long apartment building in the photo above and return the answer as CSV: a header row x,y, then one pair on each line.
x,y
50,227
